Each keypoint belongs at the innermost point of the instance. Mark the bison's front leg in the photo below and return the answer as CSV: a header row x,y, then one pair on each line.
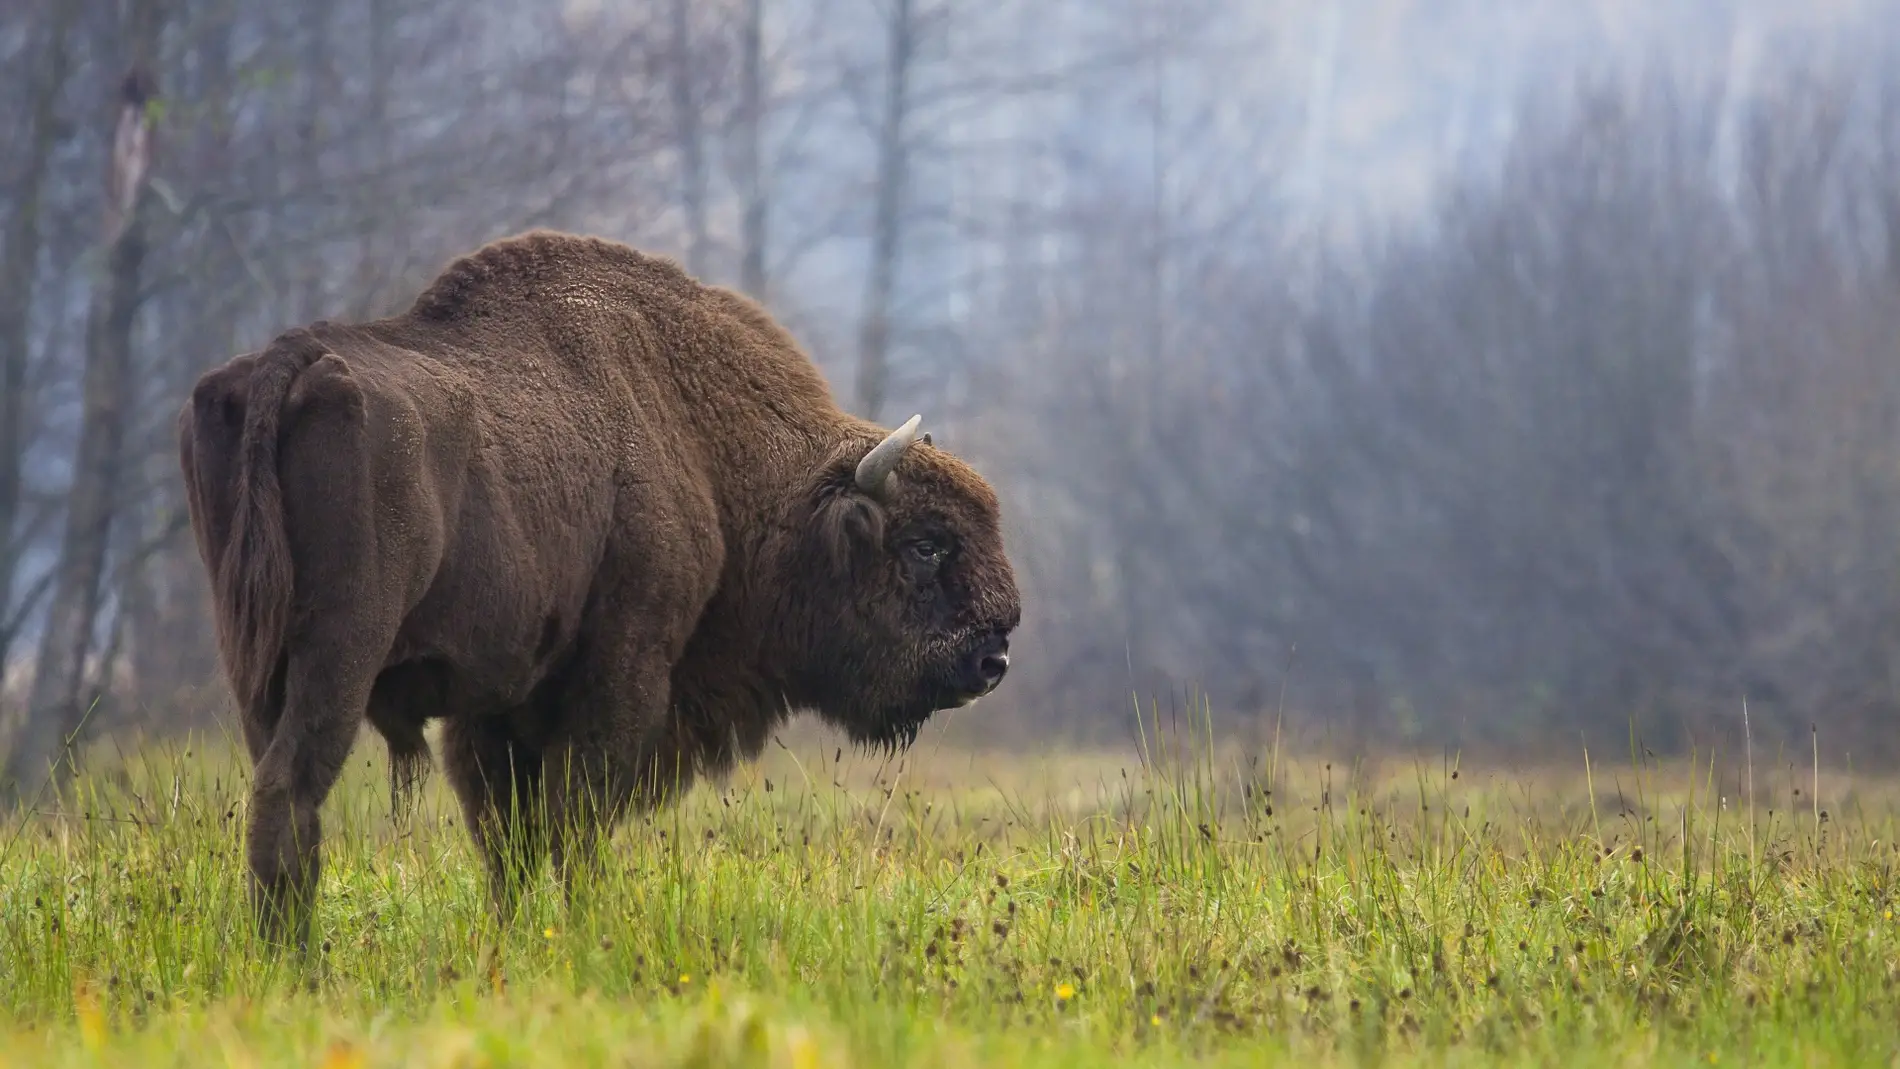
x,y
605,754
498,780
612,733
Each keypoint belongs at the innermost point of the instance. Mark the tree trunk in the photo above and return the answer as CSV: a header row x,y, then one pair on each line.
x,y
751,150
319,88
17,272
163,592
687,129
380,257
164,598
141,620
874,334
149,642
54,711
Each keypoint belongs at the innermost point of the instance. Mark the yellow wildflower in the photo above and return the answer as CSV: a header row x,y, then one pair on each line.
x,y
804,1050
92,1020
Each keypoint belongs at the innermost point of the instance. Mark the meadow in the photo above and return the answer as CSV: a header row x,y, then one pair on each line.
x,y
1187,901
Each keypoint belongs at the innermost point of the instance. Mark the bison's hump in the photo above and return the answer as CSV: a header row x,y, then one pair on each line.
x,y
525,267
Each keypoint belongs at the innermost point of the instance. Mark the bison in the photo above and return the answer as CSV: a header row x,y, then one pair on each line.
x,y
604,521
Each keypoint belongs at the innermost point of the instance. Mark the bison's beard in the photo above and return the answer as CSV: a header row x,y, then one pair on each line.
x,y
883,710
893,728
890,731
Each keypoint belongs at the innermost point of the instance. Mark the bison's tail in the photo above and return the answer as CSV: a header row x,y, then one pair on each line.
x,y
254,577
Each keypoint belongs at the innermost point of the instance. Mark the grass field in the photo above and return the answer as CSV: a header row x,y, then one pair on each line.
x,y
1178,904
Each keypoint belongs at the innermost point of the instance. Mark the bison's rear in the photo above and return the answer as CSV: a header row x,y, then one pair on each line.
x,y
290,414
228,437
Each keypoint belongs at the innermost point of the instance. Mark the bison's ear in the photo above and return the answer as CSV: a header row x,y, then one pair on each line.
x,y
848,527
848,520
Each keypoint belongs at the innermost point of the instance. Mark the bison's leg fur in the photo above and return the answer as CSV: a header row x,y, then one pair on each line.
x,y
600,763
498,780
323,708
587,791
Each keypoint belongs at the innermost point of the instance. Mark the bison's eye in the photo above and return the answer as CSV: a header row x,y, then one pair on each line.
x,y
929,551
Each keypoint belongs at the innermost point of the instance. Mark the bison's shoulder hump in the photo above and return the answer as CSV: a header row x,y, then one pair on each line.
x,y
537,264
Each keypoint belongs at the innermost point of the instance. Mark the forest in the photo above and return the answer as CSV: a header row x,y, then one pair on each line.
x,y
1596,438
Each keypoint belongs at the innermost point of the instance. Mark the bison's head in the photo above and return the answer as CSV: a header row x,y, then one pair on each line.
x,y
905,598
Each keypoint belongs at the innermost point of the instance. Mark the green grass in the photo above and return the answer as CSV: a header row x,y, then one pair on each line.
x,y
1190,904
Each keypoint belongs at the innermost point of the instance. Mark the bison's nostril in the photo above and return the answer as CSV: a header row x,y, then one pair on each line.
x,y
993,668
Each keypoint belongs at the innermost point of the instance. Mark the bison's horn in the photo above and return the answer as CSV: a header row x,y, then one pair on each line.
x,y
877,465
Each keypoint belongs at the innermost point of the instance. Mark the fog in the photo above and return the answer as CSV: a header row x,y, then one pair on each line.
x,y
1423,374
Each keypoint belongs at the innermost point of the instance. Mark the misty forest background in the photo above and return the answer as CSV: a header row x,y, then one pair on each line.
x,y
1451,377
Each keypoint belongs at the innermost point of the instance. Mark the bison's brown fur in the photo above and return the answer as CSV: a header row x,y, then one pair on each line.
x,y
605,521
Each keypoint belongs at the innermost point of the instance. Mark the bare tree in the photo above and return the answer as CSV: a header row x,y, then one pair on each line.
x,y
687,132
752,187
888,195
53,710
18,269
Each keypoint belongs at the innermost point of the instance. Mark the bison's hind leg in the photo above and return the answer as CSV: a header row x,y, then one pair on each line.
x,y
322,710
345,624
497,778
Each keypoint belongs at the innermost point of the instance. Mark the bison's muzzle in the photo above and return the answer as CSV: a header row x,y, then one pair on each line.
x,y
984,667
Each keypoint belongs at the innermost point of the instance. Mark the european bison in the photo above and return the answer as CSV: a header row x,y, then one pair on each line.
x,y
603,520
